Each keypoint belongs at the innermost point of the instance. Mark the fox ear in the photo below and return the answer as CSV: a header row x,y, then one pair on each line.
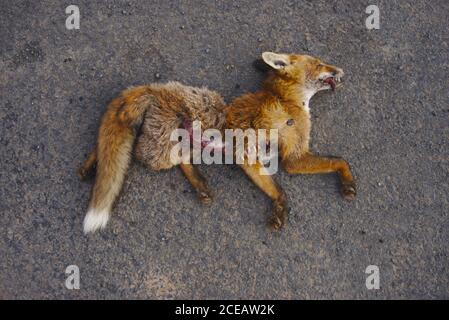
x,y
275,60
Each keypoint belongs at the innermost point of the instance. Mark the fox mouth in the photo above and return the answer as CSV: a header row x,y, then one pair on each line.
x,y
331,81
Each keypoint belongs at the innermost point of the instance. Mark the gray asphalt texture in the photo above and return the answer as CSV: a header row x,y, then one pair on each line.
x,y
390,121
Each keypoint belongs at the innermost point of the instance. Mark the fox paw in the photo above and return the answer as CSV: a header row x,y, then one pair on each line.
x,y
205,197
84,174
348,191
277,221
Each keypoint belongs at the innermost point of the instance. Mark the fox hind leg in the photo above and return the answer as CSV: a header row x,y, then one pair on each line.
x,y
86,170
197,181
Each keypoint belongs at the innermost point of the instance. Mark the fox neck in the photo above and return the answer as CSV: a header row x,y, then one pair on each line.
x,y
290,90
307,94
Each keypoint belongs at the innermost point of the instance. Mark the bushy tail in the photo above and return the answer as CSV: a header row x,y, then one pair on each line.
x,y
114,149
114,155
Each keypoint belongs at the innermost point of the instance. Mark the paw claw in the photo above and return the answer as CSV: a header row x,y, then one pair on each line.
x,y
82,173
349,191
205,197
275,223
279,217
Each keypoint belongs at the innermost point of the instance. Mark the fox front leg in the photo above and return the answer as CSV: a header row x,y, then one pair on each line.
x,y
271,188
312,164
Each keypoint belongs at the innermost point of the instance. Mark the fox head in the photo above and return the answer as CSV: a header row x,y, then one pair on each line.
x,y
309,73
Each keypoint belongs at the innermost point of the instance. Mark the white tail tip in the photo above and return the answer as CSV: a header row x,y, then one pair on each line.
x,y
95,219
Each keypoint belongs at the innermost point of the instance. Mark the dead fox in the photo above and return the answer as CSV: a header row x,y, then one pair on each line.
x,y
282,104
165,107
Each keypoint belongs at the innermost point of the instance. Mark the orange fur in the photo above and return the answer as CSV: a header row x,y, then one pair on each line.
x,y
163,106
283,104
112,154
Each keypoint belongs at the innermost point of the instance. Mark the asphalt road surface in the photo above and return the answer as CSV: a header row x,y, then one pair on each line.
x,y
390,121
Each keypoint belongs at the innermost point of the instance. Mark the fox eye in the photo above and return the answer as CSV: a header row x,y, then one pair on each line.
x,y
290,122
319,65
